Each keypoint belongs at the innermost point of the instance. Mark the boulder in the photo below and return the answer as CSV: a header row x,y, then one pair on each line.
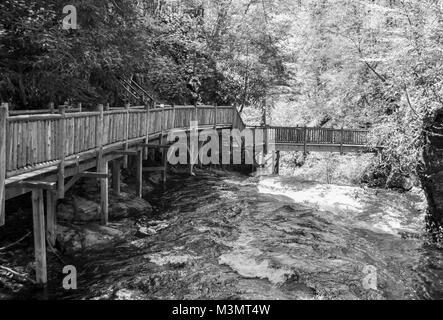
x,y
155,178
130,207
153,228
85,210
69,239
398,180
65,212
74,238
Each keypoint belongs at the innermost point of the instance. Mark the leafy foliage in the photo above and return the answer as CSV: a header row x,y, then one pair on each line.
x,y
41,62
367,64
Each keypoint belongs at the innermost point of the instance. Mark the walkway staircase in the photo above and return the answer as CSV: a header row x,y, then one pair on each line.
x,y
135,93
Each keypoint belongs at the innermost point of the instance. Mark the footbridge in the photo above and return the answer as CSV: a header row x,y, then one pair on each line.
x,y
46,152
308,139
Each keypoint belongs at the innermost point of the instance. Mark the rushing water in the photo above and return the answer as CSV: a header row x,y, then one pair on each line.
x,y
236,237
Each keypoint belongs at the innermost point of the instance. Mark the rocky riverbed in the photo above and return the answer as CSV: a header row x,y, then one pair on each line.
x,y
221,235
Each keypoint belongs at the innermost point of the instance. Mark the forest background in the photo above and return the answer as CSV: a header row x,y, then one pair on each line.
x,y
373,64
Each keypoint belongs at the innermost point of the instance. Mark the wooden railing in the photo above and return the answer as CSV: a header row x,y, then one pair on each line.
x,y
43,140
305,135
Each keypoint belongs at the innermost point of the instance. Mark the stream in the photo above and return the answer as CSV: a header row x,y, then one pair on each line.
x,y
226,236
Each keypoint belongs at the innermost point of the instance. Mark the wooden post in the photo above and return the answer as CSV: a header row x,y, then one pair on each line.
x,y
139,174
273,161
102,167
125,158
254,148
199,143
220,148
162,125
145,150
99,135
104,196
191,144
191,151
39,236
305,138
341,141
234,114
277,163
215,128
3,131
62,154
165,164
116,177
173,116
51,217
215,116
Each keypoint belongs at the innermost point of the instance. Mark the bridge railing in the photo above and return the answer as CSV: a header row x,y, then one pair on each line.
x,y
306,135
35,141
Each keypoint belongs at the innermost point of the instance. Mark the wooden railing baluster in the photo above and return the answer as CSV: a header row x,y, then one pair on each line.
x,y
3,131
145,150
99,135
62,154
126,134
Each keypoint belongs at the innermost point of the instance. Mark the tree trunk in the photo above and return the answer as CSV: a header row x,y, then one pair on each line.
x,y
431,169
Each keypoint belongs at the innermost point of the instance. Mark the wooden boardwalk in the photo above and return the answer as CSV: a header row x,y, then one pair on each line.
x,y
46,152
318,139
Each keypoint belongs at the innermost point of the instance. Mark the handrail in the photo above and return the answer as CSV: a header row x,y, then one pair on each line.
x,y
142,89
136,89
131,93
42,111
315,128
34,140
312,135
